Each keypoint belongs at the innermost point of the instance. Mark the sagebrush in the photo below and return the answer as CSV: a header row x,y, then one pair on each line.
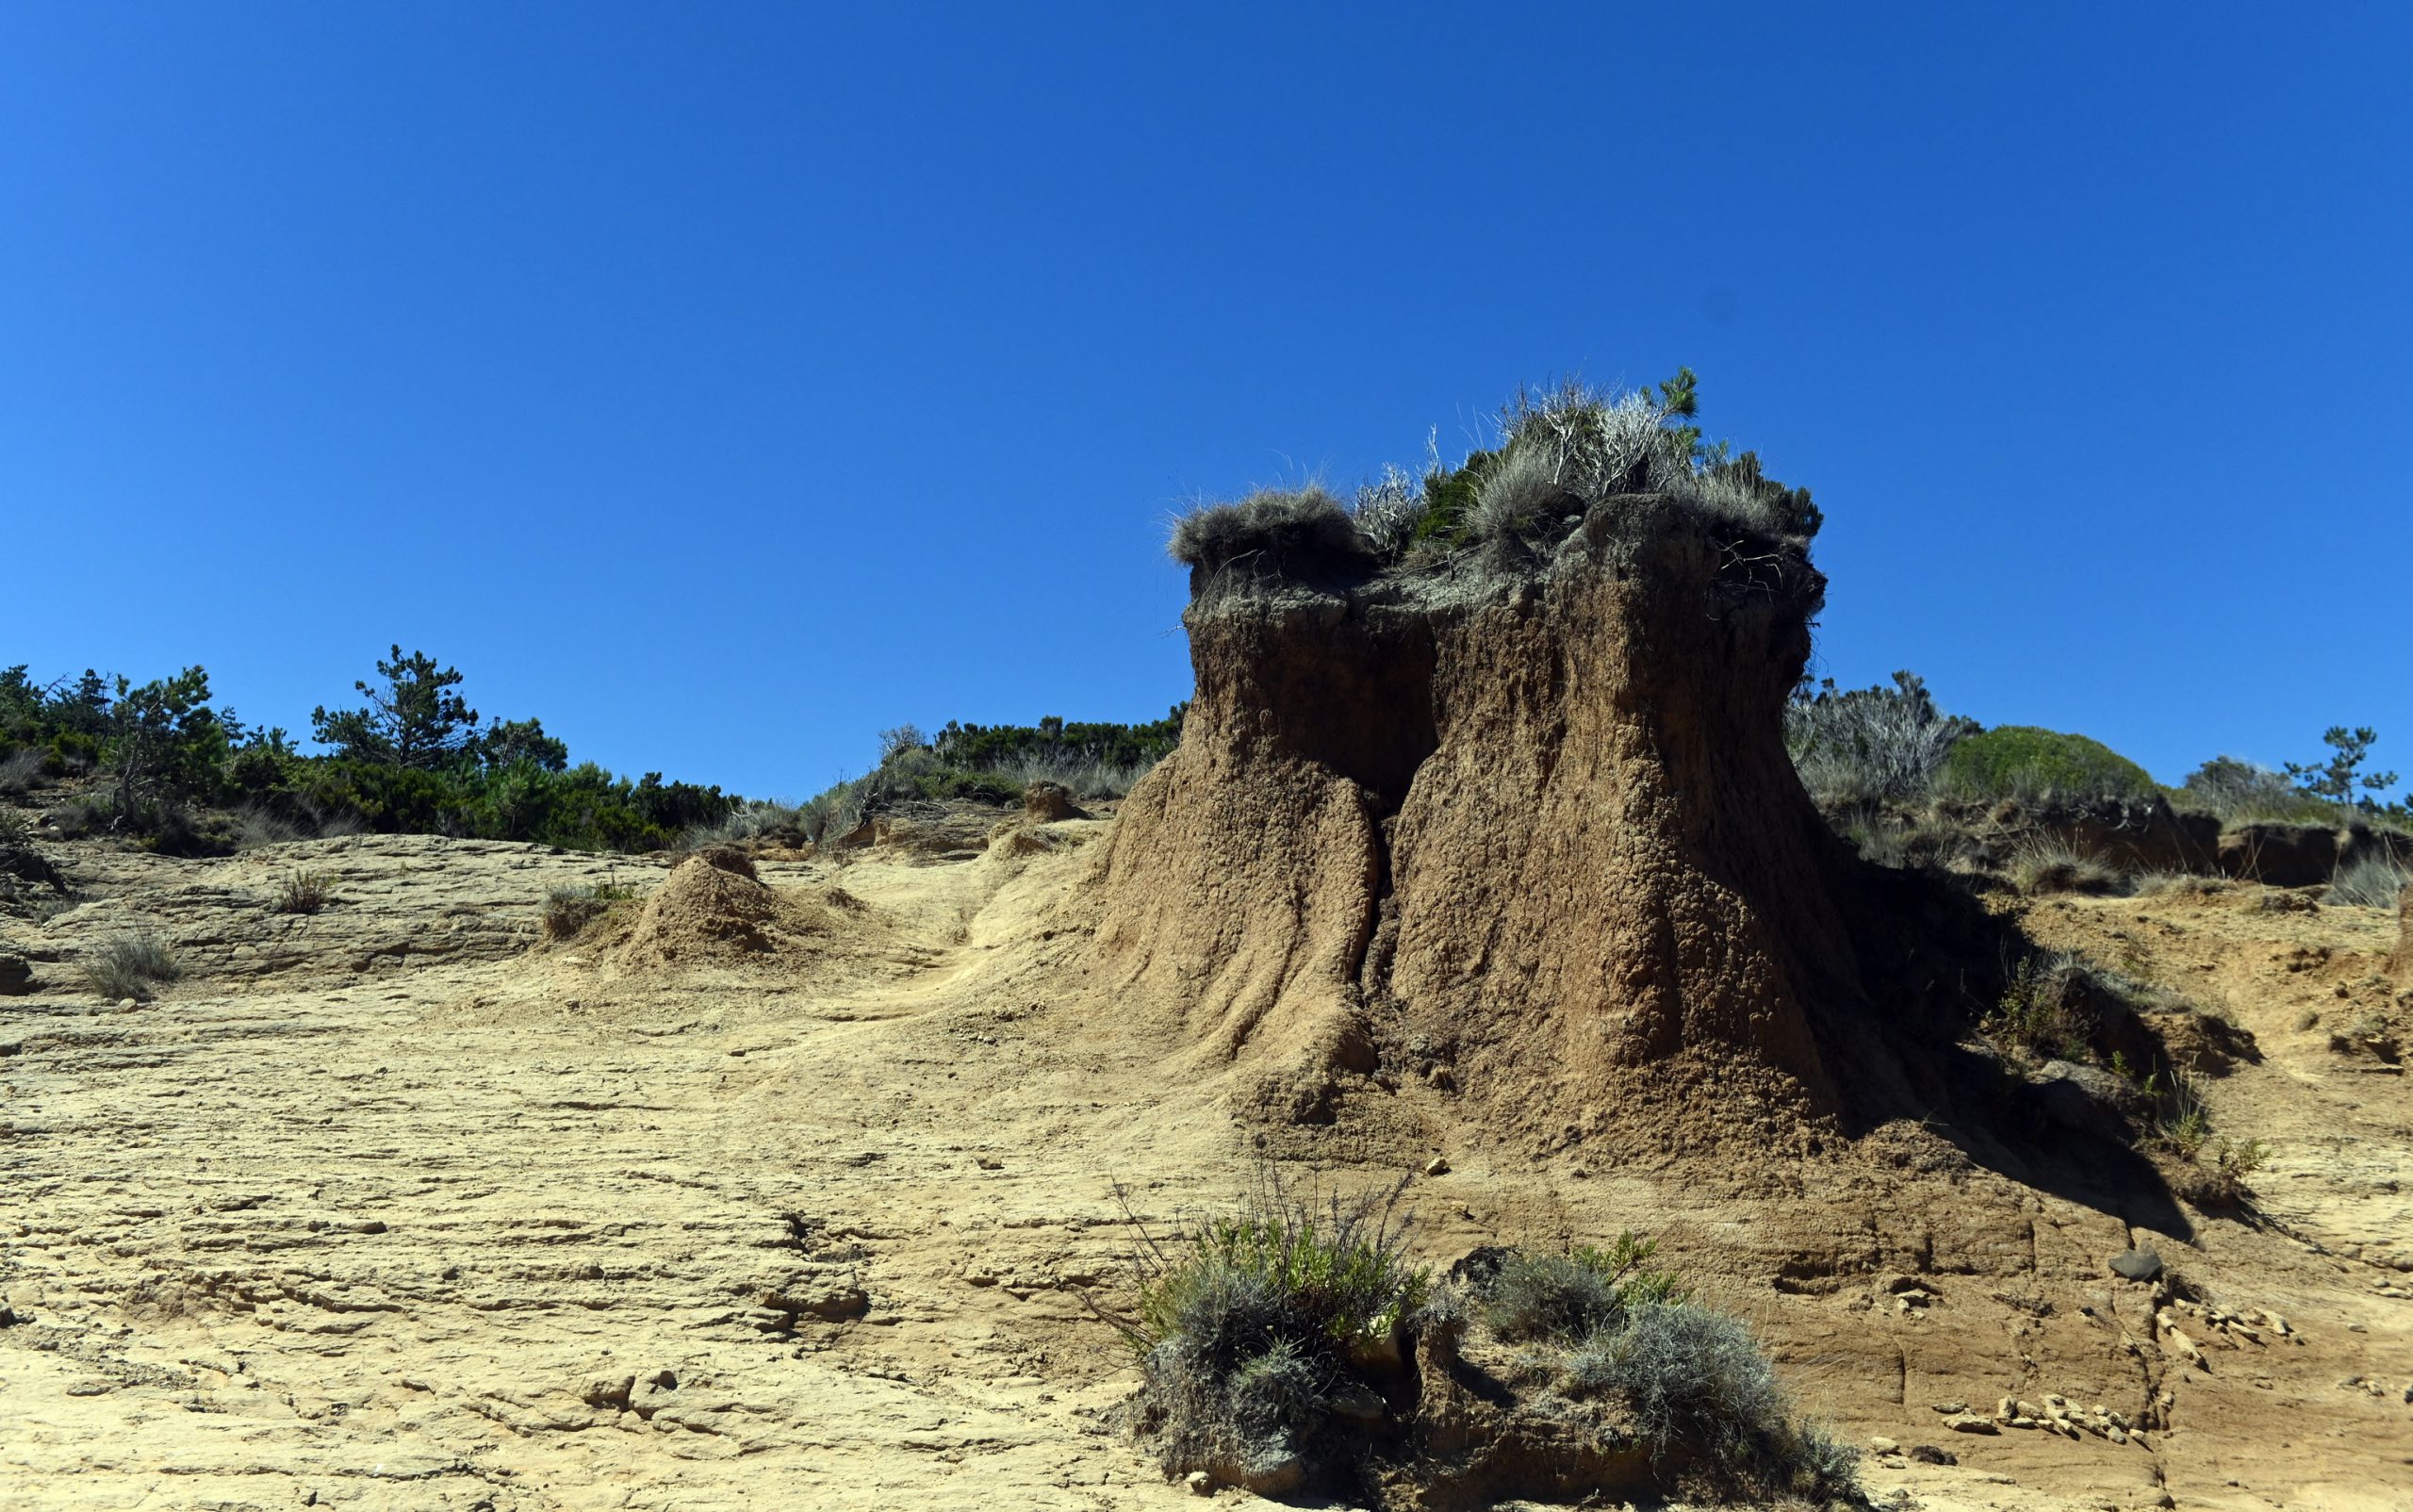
x,y
1869,746
1608,1324
1556,455
1252,1322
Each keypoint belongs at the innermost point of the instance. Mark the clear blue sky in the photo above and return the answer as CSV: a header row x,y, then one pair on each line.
x,y
725,383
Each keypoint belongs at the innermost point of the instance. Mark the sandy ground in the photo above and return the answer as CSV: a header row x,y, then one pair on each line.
x,y
397,1207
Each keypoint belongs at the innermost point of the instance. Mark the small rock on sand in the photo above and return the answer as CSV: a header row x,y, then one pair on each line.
x,y
2136,1265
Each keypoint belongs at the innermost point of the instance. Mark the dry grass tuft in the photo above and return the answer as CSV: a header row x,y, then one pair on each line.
x,y
128,965
21,771
1273,533
2049,865
302,890
2372,883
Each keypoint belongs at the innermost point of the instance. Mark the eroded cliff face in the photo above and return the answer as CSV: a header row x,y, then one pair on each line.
x,y
1607,864
1544,828
1246,874
2401,963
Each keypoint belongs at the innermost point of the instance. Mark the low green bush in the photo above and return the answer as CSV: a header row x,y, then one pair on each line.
x,y
2024,762
1250,1327
1057,742
189,778
1566,1297
2046,1010
1611,1327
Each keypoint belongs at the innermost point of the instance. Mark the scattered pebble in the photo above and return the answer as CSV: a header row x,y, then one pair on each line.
x,y
2136,1265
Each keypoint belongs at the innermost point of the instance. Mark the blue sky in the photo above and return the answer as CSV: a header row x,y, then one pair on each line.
x,y
723,383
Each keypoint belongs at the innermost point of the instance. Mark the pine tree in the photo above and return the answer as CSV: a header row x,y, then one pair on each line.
x,y
414,718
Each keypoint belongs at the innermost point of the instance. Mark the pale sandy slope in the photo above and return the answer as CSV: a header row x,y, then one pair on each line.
x,y
383,1208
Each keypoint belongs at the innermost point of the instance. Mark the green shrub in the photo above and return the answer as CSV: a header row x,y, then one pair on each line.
x,y
1249,1328
2024,762
127,965
995,763
2044,1011
979,763
1055,740
1690,1379
1449,494
409,763
2236,1159
2222,1165
1566,1297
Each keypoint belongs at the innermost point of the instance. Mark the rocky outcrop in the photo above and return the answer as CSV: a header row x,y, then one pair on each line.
x,y
21,864
1541,824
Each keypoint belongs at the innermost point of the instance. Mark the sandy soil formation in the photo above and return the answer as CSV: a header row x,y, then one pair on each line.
x,y
1556,825
395,1206
2402,961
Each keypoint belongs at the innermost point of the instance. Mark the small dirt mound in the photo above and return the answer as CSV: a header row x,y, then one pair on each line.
x,y
710,912
726,858
1044,802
